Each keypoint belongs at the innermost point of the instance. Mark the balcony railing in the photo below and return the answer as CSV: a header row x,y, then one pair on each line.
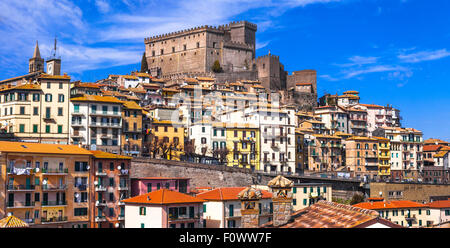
x,y
54,203
100,203
19,171
52,187
55,171
54,219
184,217
124,172
100,173
100,218
18,204
21,187
100,188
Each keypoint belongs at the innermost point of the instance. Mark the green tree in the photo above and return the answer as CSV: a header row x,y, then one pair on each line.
x,y
357,198
216,67
144,66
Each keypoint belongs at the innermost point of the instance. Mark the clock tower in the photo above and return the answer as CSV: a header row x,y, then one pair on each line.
x,y
54,64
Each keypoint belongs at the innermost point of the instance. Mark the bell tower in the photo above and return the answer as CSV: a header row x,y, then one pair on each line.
x,y
54,63
36,63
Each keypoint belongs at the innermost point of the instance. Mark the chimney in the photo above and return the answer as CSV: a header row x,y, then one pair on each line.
x,y
249,207
282,200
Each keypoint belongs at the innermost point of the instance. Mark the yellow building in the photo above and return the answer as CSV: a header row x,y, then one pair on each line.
x,y
45,184
166,139
384,157
243,142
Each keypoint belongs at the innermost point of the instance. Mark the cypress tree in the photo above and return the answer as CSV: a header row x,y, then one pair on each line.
x,y
144,66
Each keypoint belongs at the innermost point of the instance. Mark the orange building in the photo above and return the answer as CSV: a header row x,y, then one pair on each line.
x,y
38,183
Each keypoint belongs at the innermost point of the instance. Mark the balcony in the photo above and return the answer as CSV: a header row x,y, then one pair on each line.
x,y
137,130
54,203
54,220
123,187
101,113
100,218
100,188
100,173
76,124
20,187
100,203
53,188
105,124
19,171
123,172
184,217
17,204
55,171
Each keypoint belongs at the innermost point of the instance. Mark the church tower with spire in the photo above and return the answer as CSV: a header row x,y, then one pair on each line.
x,y
36,63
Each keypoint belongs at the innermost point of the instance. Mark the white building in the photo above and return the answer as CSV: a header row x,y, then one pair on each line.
x,y
163,208
96,122
222,208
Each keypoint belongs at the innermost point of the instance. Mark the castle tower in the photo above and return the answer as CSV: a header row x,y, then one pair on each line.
x,y
249,207
282,200
36,63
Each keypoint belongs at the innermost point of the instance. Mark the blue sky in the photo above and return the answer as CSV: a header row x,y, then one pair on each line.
x,y
392,51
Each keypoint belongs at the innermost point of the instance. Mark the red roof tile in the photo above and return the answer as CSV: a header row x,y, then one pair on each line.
x,y
439,204
163,196
329,215
228,194
432,148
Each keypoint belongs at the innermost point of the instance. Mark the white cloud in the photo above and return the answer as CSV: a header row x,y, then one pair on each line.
x,y
103,6
373,69
424,56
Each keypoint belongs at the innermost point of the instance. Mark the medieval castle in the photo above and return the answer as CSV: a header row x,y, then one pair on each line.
x,y
193,52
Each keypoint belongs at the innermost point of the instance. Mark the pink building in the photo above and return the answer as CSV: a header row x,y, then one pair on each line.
x,y
143,185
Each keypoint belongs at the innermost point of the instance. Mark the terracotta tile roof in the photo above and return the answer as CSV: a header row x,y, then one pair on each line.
x,y
432,148
129,77
141,74
23,87
440,154
23,147
389,205
228,194
12,222
131,105
162,197
46,76
434,141
138,90
303,84
439,204
372,106
95,98
87,85
351,92
205,79
325,214
107,155
160,178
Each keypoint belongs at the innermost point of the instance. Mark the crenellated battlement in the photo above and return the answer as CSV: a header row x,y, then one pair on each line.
x,y
220,28
268,56
240,45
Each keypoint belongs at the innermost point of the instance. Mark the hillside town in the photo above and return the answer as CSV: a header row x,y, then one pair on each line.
x,y
207,135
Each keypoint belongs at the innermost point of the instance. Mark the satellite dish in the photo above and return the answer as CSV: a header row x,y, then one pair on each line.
x,y
95,182
97,202
381,193
37,169
77,195
118,167
44,182
117,225
88,167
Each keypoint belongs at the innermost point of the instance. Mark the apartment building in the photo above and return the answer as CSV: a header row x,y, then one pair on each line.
x,y
407,147
243,142
384,158
307,194
222,207
132,129
37,111
357,121
334,118
324,152
110,184
404,213
39,182
166,139
361,157
96,122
